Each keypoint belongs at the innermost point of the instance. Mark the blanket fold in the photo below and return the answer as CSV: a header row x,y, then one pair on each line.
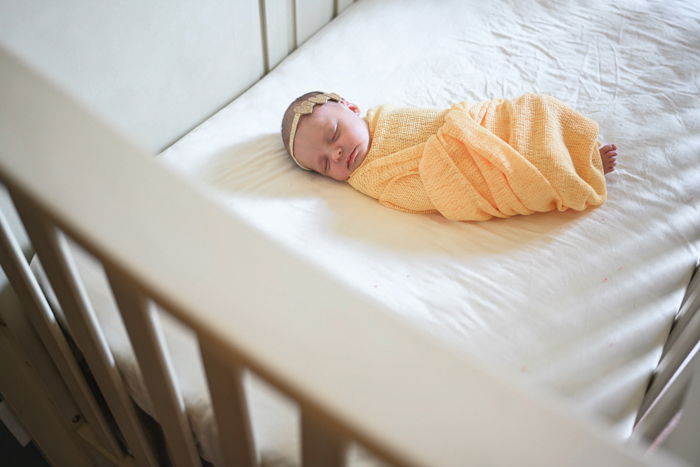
x,y
476,161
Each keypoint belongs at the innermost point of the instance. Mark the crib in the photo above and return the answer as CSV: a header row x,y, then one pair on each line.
x,y
214,305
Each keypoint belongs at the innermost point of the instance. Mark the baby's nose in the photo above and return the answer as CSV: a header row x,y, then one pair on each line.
x,y
337,154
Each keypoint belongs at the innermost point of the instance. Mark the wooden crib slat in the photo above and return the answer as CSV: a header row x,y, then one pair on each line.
x,y
287,23
672,362
278,19
340,5
294,23
264,36
230,409
143,325
679,347
669,401
690,307
312,15
33,301
320,447
52,251
683,440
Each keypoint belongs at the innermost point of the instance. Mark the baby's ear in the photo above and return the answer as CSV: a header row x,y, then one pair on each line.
x,y
351,106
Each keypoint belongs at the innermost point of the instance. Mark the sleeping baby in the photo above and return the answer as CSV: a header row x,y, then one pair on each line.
x,y
471,162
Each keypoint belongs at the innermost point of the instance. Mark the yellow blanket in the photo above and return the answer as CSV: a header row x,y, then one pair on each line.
x,y
481,160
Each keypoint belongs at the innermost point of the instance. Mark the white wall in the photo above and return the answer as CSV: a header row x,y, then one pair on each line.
x,y
157,68
154,69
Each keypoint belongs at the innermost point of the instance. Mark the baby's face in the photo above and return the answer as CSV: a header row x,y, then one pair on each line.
x,y
333,140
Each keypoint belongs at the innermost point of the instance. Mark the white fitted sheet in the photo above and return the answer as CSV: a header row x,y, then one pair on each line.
x,y
579,303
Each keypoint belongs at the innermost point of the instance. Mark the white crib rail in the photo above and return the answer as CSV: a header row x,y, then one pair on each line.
x,y
368,377
27,289
53,251
142,323
225,379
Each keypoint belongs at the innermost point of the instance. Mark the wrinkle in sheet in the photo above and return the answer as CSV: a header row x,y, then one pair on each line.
x,y
519,292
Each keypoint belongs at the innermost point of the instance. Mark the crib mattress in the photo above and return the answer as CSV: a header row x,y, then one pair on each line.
x,y
578,303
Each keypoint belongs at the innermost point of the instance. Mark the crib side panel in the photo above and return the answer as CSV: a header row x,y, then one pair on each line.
x,y
280,29
25,393
367,377
288,23
53,251
311,15
36,308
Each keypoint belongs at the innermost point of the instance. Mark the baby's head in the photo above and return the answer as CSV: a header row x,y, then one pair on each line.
x,y
325,133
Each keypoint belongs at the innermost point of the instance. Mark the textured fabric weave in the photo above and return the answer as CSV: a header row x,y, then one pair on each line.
x,y
476,161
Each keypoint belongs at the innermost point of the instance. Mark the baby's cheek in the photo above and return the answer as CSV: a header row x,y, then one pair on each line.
x,y
340,175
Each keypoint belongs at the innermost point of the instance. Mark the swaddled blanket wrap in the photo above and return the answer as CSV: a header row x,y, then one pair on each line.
x,y
481,160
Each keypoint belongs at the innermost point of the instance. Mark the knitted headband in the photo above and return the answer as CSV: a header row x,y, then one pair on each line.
x,y
306,108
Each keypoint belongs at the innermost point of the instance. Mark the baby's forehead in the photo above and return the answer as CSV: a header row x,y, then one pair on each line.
x,y
317,119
